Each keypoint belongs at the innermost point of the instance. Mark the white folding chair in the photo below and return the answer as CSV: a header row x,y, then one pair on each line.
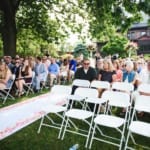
x,y
104,85
116,99
123,86
100,84
145,88
142,128
81,115
55,109
28,86
5,93
78,97
43,83
81,83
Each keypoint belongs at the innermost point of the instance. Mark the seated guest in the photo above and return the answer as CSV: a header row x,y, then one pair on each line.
x,y
53,71
72,67
99,66
143,78
119,72
9,63
86,72
129,75
40,74
144,75
5,76
107,73
64,68
16,69
25,76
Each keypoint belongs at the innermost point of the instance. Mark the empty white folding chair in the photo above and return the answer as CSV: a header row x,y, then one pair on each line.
x,y
81,115
43,82
123,86
81,83
110,121
58,110
5,93
100,84
142,128
145,88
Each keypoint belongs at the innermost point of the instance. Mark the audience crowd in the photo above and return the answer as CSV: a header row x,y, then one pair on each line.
x,y
50,70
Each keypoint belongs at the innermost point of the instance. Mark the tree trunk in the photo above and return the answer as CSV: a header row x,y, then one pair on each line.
x,y
8,10
9,33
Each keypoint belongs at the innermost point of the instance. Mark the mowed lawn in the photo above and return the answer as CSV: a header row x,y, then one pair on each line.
x,y
28,138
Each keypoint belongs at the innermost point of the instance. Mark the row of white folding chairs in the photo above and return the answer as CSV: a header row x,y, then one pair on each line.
x,y
114,98
87,95
122,86
80,96
142,104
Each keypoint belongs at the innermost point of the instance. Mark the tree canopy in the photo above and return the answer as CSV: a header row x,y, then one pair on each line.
x,y
52,20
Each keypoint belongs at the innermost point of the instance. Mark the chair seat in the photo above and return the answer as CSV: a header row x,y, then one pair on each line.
x,y
96,100
53,109
79,114
109,121
141,128
76,97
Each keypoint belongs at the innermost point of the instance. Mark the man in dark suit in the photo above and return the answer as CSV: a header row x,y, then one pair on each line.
x,y
86,72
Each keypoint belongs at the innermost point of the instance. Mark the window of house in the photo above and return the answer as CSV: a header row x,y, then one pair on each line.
x,y
132,35
143,33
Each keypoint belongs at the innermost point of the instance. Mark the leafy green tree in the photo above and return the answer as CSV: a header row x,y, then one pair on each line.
x,y
81,49
16,15
116,45
102,15
107,15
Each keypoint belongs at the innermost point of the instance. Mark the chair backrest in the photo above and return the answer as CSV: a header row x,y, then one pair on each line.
x,y
118,99
61,89
144,88
81,83
86,92
142,103
123,86
100,84
11,81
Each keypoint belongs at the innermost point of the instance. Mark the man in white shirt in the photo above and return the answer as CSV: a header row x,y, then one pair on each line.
x,y
144,75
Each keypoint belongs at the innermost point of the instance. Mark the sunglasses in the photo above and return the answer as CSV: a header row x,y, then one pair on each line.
x,y
17,62
86,63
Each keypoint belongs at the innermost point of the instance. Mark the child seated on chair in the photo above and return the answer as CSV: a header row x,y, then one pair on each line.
x,y
5,75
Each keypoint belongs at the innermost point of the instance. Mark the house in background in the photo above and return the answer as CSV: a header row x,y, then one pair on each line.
x,y
140,33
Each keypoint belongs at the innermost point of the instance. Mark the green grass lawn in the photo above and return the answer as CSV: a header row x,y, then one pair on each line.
x,y
28,138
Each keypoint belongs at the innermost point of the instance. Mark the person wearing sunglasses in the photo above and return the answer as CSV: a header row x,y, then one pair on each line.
x,y
86,72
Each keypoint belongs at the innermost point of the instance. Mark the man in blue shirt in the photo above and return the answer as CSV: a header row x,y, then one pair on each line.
x,y
53,71
72,67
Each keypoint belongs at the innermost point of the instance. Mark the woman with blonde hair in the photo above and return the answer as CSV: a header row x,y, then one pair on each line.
x,y
108,72
5,76
119,72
